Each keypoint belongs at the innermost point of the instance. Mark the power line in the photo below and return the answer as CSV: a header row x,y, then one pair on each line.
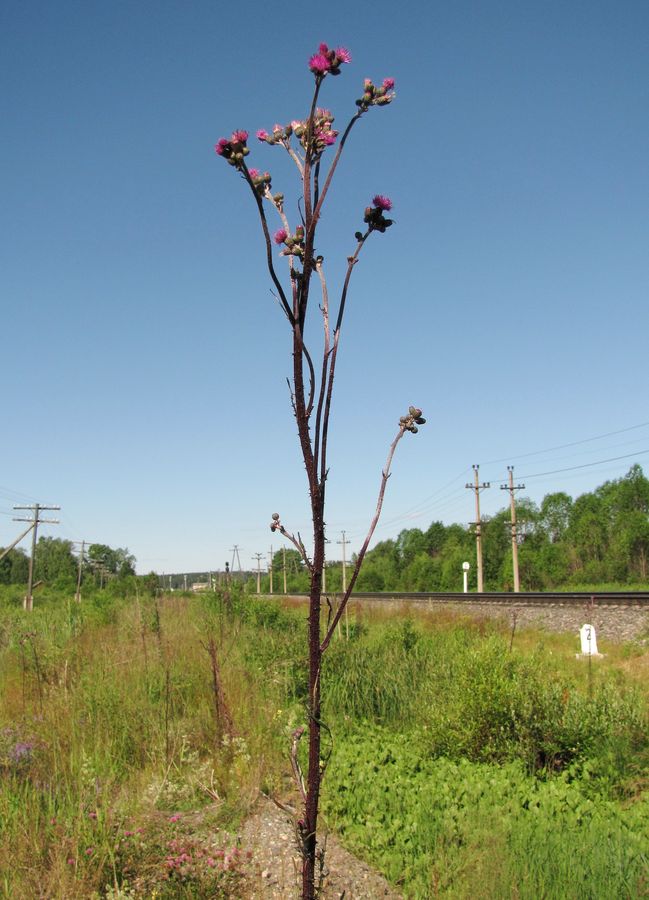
x,y
599,462
597,437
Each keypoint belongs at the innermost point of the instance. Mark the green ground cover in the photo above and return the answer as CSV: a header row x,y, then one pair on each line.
x,y
457,766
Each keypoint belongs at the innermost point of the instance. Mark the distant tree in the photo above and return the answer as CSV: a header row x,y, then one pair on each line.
x,y
118,562
14,567
555,515
54,560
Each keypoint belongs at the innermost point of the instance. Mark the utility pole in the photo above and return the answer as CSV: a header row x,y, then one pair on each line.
x,y
235,552
270,568
344,542
82,552
477,487
17,541
36,508
185,581
284,568
511,487
258,557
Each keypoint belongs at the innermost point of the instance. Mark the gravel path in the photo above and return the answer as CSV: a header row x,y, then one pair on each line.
x,y
276,866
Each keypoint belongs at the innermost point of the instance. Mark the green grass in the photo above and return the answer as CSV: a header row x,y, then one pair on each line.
x,y
458,767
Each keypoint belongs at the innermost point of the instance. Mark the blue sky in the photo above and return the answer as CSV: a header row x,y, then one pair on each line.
x,y
144,359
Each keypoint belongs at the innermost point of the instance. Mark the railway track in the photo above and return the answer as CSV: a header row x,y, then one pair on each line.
x,y
536,598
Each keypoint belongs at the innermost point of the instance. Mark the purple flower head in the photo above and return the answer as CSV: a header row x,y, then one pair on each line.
x,y
319,64
239,137
280,236
343,55
262,134
381,202
388,83
326,137
221,145
21,751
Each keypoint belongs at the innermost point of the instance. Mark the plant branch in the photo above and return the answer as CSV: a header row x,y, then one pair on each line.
x,y
269,249
385,474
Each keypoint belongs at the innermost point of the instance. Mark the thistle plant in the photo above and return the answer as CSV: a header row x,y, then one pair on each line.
x,y
309,142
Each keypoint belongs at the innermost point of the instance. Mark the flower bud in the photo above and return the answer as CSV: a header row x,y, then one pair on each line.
x,y
275,517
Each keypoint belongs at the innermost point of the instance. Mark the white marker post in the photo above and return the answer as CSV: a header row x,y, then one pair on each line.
x,y
588,641
465,572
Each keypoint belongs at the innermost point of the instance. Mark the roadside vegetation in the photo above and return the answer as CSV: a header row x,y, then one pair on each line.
x,y
136,732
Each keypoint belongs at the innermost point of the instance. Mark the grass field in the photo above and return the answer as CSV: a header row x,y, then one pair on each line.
x,y
135,734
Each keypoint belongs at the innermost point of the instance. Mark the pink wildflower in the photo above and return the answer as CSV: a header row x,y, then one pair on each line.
x,y
175,818
319,64
280,236
89,851
239,137
327,137
381,202
323,48
388,83
71,861
343,55
262,134
221,145
254,173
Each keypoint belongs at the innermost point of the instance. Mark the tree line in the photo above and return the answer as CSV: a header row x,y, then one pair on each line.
x,y
600,537
56,564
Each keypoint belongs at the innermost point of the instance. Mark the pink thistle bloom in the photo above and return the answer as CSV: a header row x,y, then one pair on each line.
x,y
327,137
262,134
367,83
71,861
319,64
343,55
280,236
277,128
175,818
388,83
381,202
89,851
297,123
254,173
239,137
324,49
221,145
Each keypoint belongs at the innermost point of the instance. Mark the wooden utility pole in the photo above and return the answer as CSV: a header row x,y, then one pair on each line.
x,y
511,487
77,596
476,487
17,541
284,568
35,521
270,568
258,557
235,552
344,543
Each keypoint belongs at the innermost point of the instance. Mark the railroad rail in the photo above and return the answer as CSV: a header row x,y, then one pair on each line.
x,y
530,598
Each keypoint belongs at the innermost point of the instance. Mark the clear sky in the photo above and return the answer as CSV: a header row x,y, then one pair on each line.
x,y
144,358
